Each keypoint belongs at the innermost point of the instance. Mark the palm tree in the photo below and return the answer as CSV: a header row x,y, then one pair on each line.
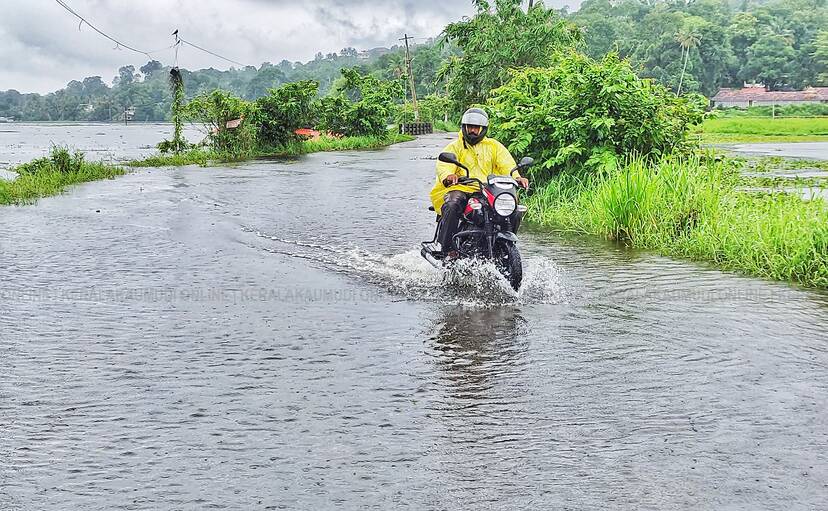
x,y
687,39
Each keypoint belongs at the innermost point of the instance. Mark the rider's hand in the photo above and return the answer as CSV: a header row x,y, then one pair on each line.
x,y
523,182
451,180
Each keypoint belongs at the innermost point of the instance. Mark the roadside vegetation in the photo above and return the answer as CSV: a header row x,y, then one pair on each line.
x,y
354,115
694,207
51,175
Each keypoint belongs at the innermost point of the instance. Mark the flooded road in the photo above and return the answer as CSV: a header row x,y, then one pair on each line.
x,y
266,336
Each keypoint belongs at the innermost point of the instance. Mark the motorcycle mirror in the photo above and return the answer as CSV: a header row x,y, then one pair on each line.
x,y
448,158
526,162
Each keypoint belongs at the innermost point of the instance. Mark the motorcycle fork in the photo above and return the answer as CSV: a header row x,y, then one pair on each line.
x,y
490,236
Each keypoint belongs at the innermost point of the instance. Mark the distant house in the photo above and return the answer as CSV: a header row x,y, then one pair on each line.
x,y
758,96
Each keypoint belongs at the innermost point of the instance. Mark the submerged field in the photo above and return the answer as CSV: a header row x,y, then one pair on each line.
x,y
764,129
51,175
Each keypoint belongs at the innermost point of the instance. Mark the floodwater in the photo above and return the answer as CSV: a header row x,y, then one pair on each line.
x,y
266,336
805,150
22,142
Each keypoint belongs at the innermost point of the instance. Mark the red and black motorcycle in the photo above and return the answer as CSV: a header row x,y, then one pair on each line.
x,y
486,230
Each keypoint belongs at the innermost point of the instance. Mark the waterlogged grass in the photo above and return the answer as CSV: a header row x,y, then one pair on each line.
x,y
323,144
192,157
694,208
203,157
51,175
763,129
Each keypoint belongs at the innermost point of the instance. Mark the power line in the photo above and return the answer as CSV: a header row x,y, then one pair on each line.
x,y
96,29
210,52
136,50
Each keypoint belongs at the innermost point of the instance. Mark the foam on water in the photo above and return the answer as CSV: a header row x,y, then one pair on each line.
x,y
468,282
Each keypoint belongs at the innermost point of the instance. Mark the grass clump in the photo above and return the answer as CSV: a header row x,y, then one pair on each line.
x,y
50,175
199,157
693,208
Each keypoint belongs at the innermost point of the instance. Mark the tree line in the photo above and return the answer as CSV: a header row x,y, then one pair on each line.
x,y
685,45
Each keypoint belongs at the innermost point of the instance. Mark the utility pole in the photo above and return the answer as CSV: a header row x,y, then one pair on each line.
x,y
125,116
411,78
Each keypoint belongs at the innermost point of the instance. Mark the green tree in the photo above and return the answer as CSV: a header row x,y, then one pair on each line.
x,y
500,37
284,110
820,57
771,61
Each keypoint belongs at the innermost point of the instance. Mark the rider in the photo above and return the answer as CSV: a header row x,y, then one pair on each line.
x,y
483,156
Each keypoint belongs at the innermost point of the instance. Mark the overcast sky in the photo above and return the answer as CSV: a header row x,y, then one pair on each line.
x,y
41,48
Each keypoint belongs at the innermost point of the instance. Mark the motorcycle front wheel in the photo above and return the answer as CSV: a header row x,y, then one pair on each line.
x,y
507,260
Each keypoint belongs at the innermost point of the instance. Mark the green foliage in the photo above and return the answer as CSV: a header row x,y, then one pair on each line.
x,y
708,44
190,157
694,208
500,38
586,114
51,175
765,126
177,143
433,108
284,110
214,110
360,105
60,160
819,55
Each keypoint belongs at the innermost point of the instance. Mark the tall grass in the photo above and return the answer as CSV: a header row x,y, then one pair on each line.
x,y
192,157
50,175
693,208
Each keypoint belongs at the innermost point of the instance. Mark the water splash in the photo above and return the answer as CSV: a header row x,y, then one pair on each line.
x,y
472,283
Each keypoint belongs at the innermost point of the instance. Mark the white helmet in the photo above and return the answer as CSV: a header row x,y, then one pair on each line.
x,y
474,117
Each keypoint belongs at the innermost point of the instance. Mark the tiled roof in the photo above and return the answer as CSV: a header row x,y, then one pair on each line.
x,y
760,94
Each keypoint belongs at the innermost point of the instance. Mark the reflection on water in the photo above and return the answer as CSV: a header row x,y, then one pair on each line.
x,y
474,345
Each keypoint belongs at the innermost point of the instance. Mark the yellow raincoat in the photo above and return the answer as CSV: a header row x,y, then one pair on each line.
x,y
486,157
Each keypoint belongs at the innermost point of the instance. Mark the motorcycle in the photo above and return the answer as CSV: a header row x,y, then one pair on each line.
x,y
485,232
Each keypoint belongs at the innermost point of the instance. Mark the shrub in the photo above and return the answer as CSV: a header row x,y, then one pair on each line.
x,y
59,160
586,114
361,105
284,110
214,110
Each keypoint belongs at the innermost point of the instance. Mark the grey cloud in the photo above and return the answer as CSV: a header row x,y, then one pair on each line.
x,y
42,48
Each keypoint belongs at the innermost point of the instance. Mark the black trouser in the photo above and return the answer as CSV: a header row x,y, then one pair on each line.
x,y
451,214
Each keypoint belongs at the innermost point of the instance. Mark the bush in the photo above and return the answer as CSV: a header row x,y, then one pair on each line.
x,y
214,110
586,114
284,110
59,160
362,105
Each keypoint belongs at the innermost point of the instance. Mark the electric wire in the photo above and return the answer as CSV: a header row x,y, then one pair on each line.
x,y
101,32
210,52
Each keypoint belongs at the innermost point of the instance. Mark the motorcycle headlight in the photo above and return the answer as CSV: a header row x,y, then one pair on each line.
x,y
505,204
